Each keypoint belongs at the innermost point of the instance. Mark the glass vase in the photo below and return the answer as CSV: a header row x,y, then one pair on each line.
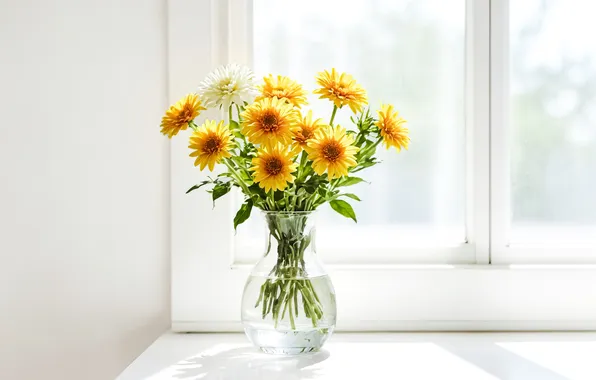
x,y
288,305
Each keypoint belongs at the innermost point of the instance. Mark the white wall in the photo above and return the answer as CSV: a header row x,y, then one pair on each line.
x,y
84,229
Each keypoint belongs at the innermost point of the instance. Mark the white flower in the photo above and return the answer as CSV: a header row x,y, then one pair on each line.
x,y
226,85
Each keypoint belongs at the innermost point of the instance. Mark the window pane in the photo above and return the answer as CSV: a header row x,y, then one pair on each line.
x,y
407,53
553,119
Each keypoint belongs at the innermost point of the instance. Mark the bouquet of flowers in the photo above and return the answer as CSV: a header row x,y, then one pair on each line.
x,y
284,158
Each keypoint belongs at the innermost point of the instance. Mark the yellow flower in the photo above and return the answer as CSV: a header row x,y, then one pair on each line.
x,y
341,89
282,88
307,129
270,121
273,167
180,114
392,129
210,143
331,150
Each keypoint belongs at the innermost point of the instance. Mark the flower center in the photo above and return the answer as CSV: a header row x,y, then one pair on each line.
x,y
186,114
269,122
279,92
212,145
273,166
341,92
332,151
228,86
307,133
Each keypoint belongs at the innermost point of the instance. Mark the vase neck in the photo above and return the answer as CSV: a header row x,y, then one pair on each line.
x,y
290,235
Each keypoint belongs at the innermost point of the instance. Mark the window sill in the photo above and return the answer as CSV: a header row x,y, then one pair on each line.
x,y
486,356
425,298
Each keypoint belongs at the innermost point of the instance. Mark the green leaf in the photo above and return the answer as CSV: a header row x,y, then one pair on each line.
x,y
255,189
234,125
343,208
313,184
243,214
278,195
220,190
365,164
195,187
323,192
349,181
349,195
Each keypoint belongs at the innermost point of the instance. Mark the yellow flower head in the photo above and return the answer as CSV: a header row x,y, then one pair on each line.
x,y
180,114
341,89
392,129
210,143
273,167
307,129
282,88
270,121
331,150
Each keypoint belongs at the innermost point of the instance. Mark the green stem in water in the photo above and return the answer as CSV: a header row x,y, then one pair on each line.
x,y
292,322
287,283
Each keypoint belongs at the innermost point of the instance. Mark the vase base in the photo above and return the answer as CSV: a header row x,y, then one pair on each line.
x,y
288,342
288,350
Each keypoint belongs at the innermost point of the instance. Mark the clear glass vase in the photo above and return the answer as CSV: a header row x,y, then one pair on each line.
x,y
288,305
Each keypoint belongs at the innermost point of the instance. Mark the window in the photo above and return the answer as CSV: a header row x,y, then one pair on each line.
x,y
547,134
462,231
553,120
418,197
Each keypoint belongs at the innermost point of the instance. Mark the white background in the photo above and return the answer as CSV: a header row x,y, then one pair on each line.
x,y
84,246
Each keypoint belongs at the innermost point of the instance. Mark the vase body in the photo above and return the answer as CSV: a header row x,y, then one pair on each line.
x,y
288,304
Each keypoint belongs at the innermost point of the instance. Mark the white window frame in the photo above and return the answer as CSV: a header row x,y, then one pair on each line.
x,y
473,248
503,250
465,291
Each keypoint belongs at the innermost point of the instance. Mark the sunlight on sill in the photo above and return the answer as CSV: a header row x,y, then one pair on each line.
x,y
571,360
549,266
408,360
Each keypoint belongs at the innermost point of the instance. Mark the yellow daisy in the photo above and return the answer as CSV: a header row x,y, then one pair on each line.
x,y
392,129
307,129
270,121
273,167
282,88
180,114
331,150
341,89
210,143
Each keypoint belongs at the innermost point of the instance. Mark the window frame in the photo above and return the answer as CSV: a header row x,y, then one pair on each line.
x,y
502,249
387,296
475,247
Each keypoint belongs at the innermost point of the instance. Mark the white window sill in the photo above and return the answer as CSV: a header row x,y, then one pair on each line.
x,y
461,356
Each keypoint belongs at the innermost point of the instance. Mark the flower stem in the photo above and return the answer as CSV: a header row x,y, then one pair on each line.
x,y
333,115
271,199
237,177
302,166
230,114
239,116
288,281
